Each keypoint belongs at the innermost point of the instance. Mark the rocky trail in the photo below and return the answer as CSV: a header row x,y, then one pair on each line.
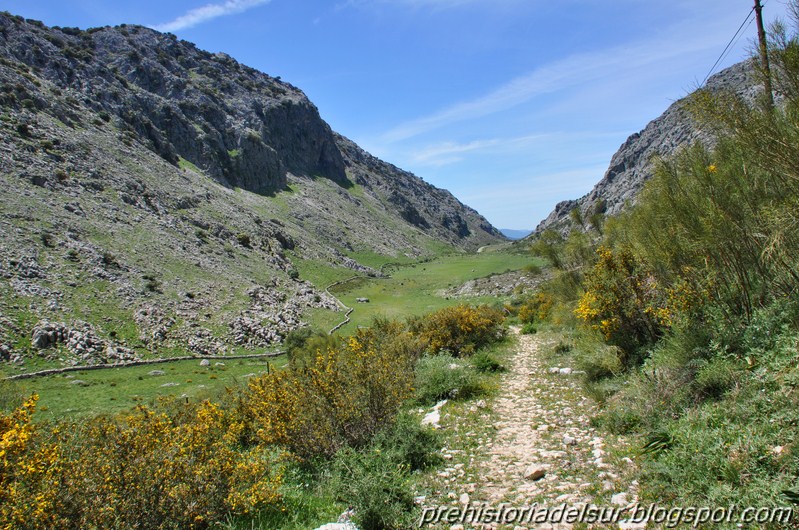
x,y
532,445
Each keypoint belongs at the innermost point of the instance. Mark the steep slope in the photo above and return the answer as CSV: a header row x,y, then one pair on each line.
x,y
631,165
155,198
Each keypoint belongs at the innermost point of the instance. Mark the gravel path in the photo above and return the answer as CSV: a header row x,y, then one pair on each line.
x,y
540,448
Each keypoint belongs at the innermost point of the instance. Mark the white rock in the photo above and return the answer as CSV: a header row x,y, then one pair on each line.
x,y
464,499
569,440
535,472
205,362
620,499
565,371
432,419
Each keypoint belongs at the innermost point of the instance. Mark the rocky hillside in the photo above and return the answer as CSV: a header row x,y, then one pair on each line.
x,y
156,198
631,166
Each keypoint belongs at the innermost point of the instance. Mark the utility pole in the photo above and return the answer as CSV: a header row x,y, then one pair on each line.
x,y
761,35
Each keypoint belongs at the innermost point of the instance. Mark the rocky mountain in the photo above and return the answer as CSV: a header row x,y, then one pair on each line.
x,y
631,165
155,197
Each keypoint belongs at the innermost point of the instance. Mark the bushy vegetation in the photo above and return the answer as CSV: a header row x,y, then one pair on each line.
x,y
460,329
342,397
686,305
336,428
149,469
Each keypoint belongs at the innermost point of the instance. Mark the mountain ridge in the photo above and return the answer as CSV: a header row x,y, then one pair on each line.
x,y
631,166
160,198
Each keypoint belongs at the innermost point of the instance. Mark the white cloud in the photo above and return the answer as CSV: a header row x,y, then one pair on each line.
x,y
451,152
208,12
609,66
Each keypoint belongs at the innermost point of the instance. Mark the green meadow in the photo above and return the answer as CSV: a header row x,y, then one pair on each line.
x,y
419,288
409,289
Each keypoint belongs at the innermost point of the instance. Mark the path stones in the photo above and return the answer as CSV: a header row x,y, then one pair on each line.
x,y
544,447
535,472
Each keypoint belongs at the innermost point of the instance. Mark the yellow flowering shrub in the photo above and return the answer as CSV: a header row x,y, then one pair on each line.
x,y
27,468
459,329
623,300
146,470
536,309
342,396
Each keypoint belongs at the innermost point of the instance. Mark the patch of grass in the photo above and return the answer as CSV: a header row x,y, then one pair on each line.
x,y
442,376
186,165
118,389
416,289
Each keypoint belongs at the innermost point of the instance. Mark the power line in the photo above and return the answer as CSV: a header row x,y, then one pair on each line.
x,y
735,38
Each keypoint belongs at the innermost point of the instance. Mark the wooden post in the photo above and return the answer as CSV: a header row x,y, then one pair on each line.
x,y
761,35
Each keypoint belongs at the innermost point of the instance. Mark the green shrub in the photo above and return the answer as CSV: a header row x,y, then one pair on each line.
x,y
410,444
376,487
244,240
486,363
529,329
599,361
442,376
714,378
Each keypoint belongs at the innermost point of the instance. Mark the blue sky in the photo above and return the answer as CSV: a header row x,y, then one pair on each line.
x,y
513,105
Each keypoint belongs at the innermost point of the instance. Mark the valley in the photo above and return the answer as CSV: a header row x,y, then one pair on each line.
x,y
218,312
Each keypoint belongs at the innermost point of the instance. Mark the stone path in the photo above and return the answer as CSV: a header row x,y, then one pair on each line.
x,y
543,451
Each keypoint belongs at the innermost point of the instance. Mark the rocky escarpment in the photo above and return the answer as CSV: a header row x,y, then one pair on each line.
x,y
632,165
242,127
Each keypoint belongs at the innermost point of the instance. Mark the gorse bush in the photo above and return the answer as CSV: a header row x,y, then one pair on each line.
x,y
536,309
623,301
692,293
30,470
460,329
342,396
334,415
145,471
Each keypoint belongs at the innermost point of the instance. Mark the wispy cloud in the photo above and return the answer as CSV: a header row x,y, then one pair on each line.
x,y
208,12
451,152
577,70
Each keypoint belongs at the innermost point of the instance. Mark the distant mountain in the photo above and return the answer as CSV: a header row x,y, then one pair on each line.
x,y
159,196
631,165
515,234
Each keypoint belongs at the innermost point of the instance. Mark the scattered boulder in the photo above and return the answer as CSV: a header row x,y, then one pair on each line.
x,y
81,341
156,373
205,362
433,417
47,334
536,472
